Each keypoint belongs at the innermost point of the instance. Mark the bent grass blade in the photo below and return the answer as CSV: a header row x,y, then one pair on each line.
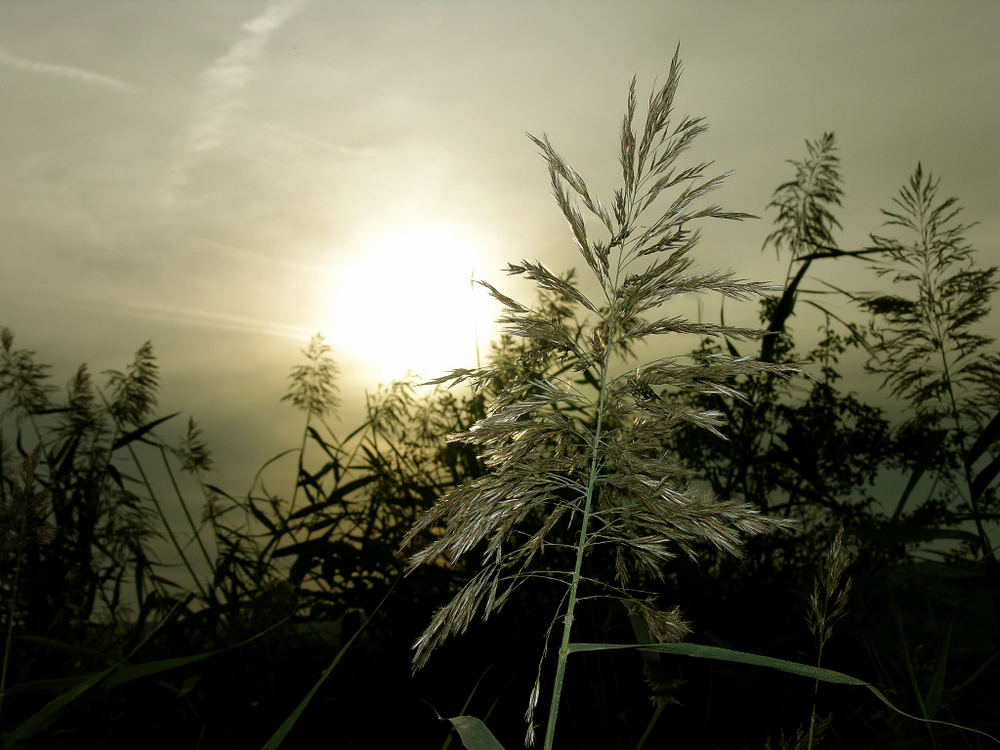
x,y
286,726
700,651
116,674
475,735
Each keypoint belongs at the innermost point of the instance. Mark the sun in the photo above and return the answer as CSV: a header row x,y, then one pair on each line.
x,y
407,304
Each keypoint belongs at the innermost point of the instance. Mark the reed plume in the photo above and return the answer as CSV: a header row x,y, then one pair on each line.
x,y
576,465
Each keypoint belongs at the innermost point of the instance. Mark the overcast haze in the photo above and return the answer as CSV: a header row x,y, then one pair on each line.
x,y
214,176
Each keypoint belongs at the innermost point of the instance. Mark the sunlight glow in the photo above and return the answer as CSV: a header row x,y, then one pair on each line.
x,y
407,304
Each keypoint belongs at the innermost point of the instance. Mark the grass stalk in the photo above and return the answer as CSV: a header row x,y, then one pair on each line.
x,y
300,467
23,522
827,605
195,531
599,461
581,547
588,502
158,506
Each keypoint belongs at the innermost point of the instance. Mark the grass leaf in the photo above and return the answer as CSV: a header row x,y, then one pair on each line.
x,y
700,651
134,435
475,735
281,732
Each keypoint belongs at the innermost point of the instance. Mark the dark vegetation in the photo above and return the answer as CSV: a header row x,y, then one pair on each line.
x,y
891,575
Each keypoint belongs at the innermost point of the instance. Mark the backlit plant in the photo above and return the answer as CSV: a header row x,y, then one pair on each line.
x,y
578,467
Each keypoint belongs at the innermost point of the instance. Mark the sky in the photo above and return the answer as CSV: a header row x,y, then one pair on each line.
x,y
227,178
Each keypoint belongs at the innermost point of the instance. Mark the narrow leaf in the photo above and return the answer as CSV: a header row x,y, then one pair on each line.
x,y
335,496
927,452
114,675
130,437
42,718
936,691
983,479
987,437
475,735
700,651
286,726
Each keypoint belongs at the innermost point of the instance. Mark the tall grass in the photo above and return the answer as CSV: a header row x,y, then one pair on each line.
x,y
925,338
23,523
592,460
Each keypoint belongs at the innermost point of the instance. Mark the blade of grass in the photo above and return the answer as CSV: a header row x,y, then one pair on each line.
x,y
281,732
475,735
936,690
989,434
136,434
116,674
700,651
465,706
927,452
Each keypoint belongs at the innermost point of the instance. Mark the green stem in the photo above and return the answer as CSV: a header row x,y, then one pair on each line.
x,y
940,335
166,524
812,714
298,478
187,513
550,727
984,541
298,471
650,726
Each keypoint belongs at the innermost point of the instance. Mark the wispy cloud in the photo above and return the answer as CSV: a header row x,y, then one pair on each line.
x,y
221,87
243,254
312,140
180,316
87,77
190,316
187,317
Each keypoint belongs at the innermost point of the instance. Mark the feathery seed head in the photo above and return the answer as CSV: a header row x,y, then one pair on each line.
x,y
575,455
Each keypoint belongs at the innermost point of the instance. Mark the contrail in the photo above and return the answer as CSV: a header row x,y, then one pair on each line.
x,y
314,141
190,316
88,77
221,85
260,257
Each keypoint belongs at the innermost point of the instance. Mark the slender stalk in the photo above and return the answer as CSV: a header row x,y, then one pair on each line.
x,y
381,466
312,390
984,540
155,500
298,472
812,713
650,726
187,513
550,727
299,469
592,477
166,524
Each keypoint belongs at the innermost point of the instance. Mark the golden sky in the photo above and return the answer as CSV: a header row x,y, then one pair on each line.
x,y
226,178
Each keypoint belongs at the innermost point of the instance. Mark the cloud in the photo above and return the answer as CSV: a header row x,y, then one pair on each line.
x,y
192,316
185,317
312,140
243,254
221,87
87,77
